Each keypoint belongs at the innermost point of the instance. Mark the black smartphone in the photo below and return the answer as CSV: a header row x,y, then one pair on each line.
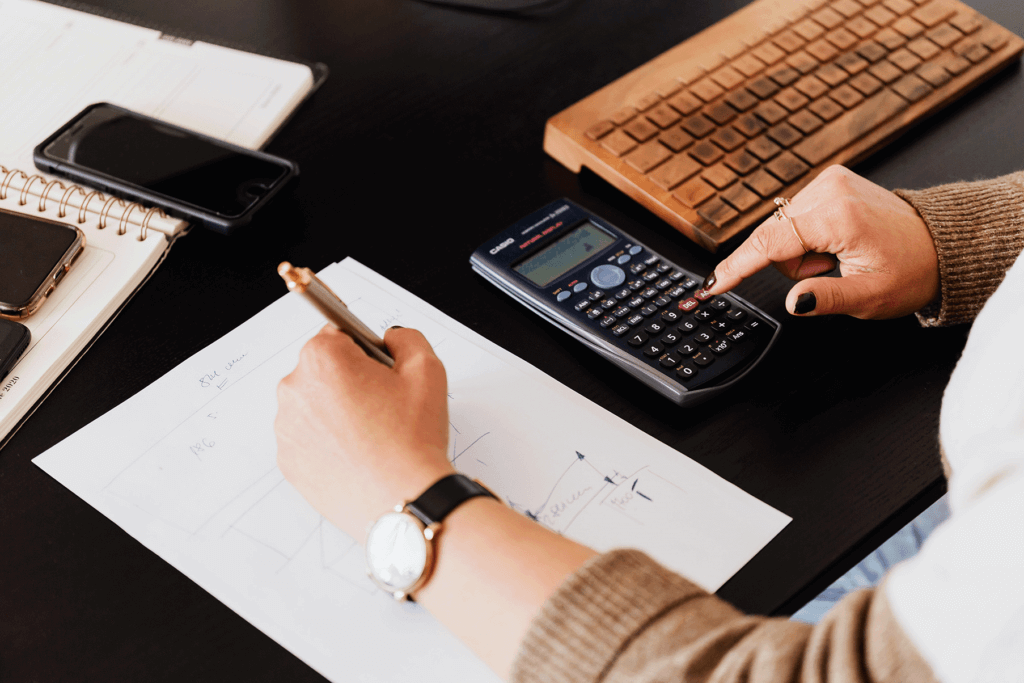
x,y
14,338
35,253
191,176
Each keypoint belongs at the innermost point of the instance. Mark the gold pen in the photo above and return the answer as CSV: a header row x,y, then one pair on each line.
x,y
304,282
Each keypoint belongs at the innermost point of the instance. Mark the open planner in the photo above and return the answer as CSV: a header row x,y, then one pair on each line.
x,y
188,467
57,61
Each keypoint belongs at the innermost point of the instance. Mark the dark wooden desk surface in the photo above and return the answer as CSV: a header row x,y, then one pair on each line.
x,y
425,140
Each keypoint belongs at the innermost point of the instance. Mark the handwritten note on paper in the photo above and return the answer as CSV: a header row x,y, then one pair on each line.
x,y
188,467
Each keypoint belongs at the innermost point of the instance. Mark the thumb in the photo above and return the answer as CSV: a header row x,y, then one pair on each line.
x,y
411,350
858,295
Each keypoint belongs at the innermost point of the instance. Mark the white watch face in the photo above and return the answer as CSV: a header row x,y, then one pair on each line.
x,y
396,551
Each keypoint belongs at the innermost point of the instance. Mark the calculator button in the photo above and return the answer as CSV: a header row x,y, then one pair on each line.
x,y
675,292
702,295
670,316
623,294
719,304
688,326
638,268
754,325
620,330
579,287
688,305
688,283
654,327
582,305
636,284
703,360
721,325
625,258
607,276
671,338
703,315
649,310
721,347
670,361
595,294
738,336
622,311
651,260
649,293
638,338
650,275
563,295
703,337
664,268
663,284
635,250
736,314
594,313
662,301
676,276
688,348
686,371
608,321
609,304
636,302
635,319
653,349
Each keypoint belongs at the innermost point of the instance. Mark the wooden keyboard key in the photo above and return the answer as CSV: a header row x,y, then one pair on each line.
x,y
880,15
890,39
956,65
676,139
685,103
850,127
934,73
828,17
618,143
808,29
784,135
599,130
648,156
719,176
842,38
675,171
749,65
934,12
742,162
826,108
872,51
811,86
848,8
791,99
728,139
802,62
861,26
720,113
911,87
705,152
693,192
664,116
727,77
886,71
641,129
908,27
670,88
822,50
706,89
832,74
924,48
763,148
966,22
852,63
789,41
623,115
866,84
718,212
698,125
763,183
741,99
944,35
740,197
648,101
749,125
899,6
771,112
969,49
763,87
905,59
846,96
805,121
768,53
787,167
784,75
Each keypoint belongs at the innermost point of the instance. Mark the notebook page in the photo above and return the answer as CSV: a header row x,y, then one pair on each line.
x,y
188,468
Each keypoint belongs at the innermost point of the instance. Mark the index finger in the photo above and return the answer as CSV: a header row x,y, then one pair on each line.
x,y
771,242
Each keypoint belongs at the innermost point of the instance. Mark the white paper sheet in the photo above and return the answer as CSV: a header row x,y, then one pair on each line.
x,y
187,467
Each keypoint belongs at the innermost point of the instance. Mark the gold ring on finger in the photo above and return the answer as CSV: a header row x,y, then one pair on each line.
x,y
780,214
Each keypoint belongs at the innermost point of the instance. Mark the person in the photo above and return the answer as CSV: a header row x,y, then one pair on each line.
x,y
355,437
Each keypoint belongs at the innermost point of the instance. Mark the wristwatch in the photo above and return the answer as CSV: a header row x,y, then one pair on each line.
x,y
400,545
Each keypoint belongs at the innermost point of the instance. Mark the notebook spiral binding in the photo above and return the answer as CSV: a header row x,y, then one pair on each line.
x,y
9,175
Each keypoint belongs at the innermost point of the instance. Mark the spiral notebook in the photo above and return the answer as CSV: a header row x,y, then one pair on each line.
x,y
59,60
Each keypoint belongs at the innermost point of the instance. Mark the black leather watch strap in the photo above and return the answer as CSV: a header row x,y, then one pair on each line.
x,y
445,495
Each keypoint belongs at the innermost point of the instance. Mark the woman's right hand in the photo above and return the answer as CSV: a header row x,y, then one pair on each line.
x,y
886,254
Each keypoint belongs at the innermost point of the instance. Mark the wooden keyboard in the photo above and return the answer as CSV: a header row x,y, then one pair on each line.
x,y
707,134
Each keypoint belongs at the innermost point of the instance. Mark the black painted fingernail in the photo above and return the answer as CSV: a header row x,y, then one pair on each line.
x,y
805,303
709,281
396,327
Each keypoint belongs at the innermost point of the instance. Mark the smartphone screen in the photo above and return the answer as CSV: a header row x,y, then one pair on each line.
x,y
29,251
165,160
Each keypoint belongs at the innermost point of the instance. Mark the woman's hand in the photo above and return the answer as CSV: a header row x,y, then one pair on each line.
x,y
355,437
885,251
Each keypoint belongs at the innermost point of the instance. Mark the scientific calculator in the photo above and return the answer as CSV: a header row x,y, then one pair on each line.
x,y
623,300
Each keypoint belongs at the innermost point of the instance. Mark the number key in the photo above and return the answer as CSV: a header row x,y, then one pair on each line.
x,y
653,349
703,337
671,338
686,372
654,327
688,348
638,338
670,316
670,361
688,326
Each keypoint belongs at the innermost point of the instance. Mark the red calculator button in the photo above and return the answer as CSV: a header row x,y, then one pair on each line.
x,y
688,305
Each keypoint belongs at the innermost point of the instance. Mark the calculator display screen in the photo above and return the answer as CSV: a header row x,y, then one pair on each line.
x,y
564,254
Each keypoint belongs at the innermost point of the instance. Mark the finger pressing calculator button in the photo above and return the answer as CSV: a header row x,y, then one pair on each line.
x,y
721,347
622,311
607,276
670,361
636,284
739,335
595,294
688,305
702,295
653,349
688,348
663,284
635,319
625,258
703,359
623,293
686,371
594,313
638,268
703,316
688,326
719,304
563,295
703,337
649,310
635,250
620,330
654,327
579,287
671,338
670,316
608,321
638,338
736,314
721,325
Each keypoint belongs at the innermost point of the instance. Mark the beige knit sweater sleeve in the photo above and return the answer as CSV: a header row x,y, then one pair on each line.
x,y
623,617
